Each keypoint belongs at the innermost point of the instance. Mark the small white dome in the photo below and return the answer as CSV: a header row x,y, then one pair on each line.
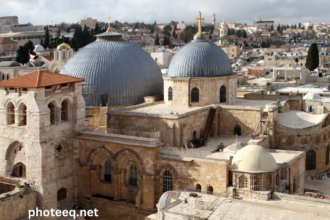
x,y
39,48
253,158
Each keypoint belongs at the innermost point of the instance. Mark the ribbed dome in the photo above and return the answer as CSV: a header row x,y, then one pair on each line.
x,y
253,158
200,58
116,67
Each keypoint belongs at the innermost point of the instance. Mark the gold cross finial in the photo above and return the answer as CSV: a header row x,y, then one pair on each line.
x,y
200,19
109,29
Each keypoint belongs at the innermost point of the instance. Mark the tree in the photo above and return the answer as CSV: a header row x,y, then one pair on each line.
x,y
299,25
167,30
156,40
67,30
21,56
46,43
59,32
41,42
173,33
312,60
244,34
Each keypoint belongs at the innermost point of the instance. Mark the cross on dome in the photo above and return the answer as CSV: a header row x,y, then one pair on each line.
x,y
109,29
200,19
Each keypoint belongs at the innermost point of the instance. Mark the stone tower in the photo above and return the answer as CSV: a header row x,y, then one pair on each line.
x,y
213,20
41,112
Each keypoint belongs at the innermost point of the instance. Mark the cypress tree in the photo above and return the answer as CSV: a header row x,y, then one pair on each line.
x,y
46,43
41,42
157,40
312,60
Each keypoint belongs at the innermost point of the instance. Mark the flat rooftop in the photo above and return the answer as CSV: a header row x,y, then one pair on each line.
x,y
161,109
206,152
253,103
226,208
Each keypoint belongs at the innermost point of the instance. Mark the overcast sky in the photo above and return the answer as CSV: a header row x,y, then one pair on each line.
x,y
42,12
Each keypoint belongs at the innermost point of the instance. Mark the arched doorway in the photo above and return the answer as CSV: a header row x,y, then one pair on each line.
x,y
311,160
19,170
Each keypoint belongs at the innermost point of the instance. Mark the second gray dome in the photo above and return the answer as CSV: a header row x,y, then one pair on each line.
x,y
200,58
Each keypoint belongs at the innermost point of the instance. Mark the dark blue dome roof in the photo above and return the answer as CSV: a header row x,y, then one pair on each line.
x,y
200,58
116,67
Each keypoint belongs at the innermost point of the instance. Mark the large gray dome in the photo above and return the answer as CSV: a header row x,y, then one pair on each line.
x,y
200,58
116,67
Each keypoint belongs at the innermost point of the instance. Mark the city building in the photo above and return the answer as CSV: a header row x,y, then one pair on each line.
x,y
89,22
7,45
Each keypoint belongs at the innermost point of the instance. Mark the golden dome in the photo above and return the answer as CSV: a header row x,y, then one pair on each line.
x,y
63,46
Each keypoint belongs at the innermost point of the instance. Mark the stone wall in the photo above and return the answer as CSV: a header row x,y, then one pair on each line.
x,y
209,90
246,117
117,198
17,204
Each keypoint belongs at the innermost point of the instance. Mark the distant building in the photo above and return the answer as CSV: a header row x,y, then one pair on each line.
x,y
10,24
89,22
6,45
22,37
261,23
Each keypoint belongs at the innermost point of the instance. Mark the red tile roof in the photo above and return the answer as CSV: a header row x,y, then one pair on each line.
x,y
6,40
39,79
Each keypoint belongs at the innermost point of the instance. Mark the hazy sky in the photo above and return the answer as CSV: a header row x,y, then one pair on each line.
x,y
41,12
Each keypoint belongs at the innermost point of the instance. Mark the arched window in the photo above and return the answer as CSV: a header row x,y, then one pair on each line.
x,y
65,110
53,116
22,115
311,109
19,170
167,181
195,95
209,190
243,182
8,76
3,77
61,194
311,160
107,171
262,182
10,113
223,96
170,94
198,187
237,130
133,175
156,59
327,155
63,57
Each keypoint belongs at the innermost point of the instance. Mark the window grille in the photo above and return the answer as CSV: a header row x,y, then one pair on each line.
x,y
237,130
107,171
311,160
61,194
195,95
223,98
133,175
167,181
243,182
170,94
262,182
